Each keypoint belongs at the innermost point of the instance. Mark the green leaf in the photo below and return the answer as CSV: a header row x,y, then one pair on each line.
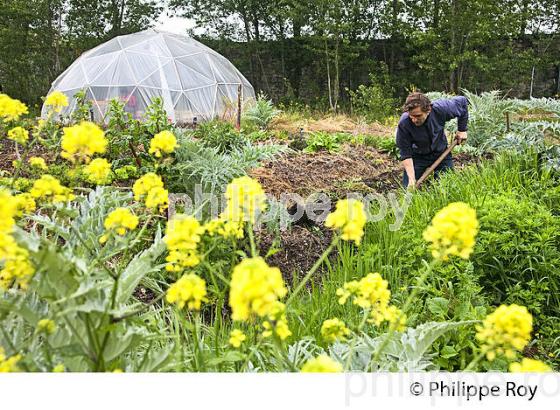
x,y
438,306
140,266
229,357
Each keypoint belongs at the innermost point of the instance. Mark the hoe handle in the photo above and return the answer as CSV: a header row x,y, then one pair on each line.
x,y
428,171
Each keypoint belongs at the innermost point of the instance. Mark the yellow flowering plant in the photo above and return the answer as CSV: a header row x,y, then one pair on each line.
x,y
80,142
98,171
56,101
11,109
163,143
322,364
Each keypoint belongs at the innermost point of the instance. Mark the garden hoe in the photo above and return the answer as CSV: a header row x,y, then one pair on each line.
x,y
432,167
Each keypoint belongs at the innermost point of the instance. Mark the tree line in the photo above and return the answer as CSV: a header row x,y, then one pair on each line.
x,y
308,50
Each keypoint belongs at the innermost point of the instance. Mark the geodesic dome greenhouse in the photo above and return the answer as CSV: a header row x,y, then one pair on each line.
x,y
192,79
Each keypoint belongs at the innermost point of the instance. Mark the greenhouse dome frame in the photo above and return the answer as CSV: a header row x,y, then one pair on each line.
x,y
193,80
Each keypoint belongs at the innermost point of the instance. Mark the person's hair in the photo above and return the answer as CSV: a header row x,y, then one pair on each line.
x,y
417,99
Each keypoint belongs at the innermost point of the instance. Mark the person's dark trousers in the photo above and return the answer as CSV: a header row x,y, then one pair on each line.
x,y
423,162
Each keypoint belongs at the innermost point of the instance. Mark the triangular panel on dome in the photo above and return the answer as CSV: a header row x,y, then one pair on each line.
x,y
124,74
74,78
191,78
153,47
224,73
185,111
94,66
142,65
133,39
180,48
105,77
203,99
198,63
171,76
109,47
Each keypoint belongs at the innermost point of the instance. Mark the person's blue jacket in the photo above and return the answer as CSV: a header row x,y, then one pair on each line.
x,y
430,138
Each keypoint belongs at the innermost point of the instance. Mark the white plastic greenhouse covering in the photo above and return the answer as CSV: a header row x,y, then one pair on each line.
x,y
192,79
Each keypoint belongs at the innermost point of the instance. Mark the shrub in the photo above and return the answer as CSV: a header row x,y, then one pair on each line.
x,y
220,135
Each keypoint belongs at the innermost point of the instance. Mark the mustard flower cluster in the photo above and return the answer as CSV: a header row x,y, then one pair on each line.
x,y
189,290
80,142
11,109
56,101
236,338
119,221
333,330
163,143
277,323
19,135
49,188
372,293
254,289
452,232
150,189
349,218
182,235
16,266
529,366
321,364
505,331
38,162
98,171
8,364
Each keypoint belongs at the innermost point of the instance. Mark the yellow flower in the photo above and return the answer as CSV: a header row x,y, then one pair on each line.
x,y
391,314
349,217
452,231
19,135
157,198
119,221
182,236
11,109
505,330
38,162
25,204
47,326
277,322
227,229
321,364
50,189
80,142
56,100
145,184
369,292
8,210
8,364
164,142
17,267
372,293
98,171
333,330
190,290
236,337
245,199
150,187
529,366
254,289
59,368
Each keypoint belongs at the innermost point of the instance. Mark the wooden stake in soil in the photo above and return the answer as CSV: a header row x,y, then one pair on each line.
x,y
238,121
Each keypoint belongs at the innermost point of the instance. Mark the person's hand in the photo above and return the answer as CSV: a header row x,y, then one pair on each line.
x,y
461,137
411,185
